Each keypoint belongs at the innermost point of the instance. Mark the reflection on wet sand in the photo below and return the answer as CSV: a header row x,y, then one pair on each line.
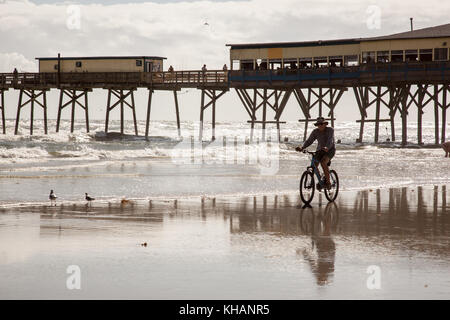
x,y
420,211
245,239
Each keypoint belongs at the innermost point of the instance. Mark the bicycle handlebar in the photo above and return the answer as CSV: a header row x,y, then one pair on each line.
x,y
309,152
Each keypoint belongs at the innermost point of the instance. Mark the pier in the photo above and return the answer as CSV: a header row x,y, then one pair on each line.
x,y
267,77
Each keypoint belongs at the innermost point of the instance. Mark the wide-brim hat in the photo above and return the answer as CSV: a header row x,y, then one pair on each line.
x,y
320,121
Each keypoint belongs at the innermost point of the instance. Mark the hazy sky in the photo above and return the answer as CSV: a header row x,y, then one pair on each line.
x,y
176,30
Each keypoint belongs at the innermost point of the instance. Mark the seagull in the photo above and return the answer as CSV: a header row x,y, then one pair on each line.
x,y
88,199
52,197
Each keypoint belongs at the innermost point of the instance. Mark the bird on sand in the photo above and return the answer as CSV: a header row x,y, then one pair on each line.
x,y
52,197
89,199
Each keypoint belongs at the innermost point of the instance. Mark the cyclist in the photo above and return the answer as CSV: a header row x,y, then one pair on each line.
x,y
325,146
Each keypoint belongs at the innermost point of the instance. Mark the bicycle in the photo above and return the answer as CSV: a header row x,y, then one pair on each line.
x,y
307,185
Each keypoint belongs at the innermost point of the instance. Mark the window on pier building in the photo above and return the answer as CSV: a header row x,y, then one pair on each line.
x,y
305,63
335,61
426,54
368,57
320,62
55,67
351,60
397,55
262,64
78,64
247,65
411,55
382,56
290,63
275,64
440,54
138,63
235,65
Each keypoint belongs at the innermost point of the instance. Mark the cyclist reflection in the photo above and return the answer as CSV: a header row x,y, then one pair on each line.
x,y
321,256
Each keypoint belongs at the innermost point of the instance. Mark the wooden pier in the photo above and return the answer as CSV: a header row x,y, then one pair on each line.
x,y
395,86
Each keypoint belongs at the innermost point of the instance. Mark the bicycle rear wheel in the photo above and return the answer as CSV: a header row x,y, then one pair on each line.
x,y
331,194
307,187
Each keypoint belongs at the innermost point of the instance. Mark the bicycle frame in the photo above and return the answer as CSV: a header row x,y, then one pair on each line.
x,y
314,168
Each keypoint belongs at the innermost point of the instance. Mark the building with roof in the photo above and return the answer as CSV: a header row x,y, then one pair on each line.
x,y
102,64
427,44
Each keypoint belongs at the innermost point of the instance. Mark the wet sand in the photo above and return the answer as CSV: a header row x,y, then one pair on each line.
x,y
262,247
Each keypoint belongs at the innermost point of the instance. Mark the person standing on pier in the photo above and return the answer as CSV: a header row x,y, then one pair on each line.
x,y
325,145
446,147
16,76
204,72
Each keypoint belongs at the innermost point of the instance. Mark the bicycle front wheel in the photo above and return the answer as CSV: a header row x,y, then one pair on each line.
x,y
307,187
332,193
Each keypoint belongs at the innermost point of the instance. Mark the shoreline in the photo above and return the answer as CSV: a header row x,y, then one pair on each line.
x,y
142,201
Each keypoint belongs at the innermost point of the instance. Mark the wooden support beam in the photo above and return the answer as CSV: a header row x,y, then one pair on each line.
x,y
245,102
2,109
108,109
122,95
214,115
404,113
252,126
19,107
210,93
72,122
377,113
149,107
177,112
263,136
133,109
374,120
86,110
282,105
202,109
328,119
444,107
32,101
271,122
436,114
362,108
422,89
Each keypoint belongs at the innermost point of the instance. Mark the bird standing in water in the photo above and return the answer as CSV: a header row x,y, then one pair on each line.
x,y
52,197
89,199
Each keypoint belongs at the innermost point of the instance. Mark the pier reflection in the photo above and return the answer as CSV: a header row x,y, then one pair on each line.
x,y
421,212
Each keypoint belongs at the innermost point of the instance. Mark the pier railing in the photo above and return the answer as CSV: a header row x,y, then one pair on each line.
x,y
367,74
102,79
375,73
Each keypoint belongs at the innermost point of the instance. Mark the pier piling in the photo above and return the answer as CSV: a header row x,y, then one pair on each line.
x,y
33,95
122,95
2,109
75,98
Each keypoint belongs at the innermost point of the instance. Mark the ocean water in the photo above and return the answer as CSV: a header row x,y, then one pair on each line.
x,y
111,167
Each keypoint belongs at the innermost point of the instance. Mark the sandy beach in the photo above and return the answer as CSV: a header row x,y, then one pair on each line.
x,y
252,247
